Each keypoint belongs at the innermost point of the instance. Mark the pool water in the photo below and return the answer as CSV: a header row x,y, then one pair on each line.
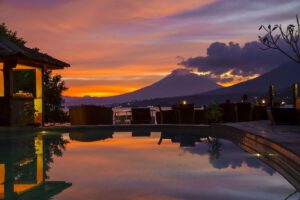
x,y
134,165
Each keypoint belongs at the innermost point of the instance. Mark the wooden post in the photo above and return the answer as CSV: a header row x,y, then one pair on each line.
x,y
43,97
38,101
271,95
8,87
295,94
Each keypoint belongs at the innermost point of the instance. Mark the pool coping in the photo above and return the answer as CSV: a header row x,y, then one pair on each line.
x,y
213,128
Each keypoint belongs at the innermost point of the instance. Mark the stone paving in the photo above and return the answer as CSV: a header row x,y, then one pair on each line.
x,y
285,135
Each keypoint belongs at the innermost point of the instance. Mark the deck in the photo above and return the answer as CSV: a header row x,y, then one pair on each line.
x,y
286,135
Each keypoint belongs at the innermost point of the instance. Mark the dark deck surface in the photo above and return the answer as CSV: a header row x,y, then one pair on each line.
x,y
286,135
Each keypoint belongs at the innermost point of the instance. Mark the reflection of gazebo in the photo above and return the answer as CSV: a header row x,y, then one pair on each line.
x,y
14,59
22,170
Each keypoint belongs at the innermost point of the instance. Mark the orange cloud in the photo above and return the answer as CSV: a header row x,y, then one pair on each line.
x,y
235,79
99,90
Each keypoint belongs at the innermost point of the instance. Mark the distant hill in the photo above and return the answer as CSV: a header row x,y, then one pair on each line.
x,y
282,77
175,84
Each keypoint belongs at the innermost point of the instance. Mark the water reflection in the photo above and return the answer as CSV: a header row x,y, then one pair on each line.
x,y
223,155
141,133
24,164
185,140
91,136
142,160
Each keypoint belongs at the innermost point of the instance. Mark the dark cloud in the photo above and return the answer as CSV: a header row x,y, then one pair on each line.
x,y
245,61
182,71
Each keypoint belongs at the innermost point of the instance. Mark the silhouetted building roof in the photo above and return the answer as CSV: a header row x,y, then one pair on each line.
x,y
10,50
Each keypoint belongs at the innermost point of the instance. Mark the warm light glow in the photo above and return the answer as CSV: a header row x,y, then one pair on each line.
x,y
184,102
1,81
2,179
99,90
110,82
44,132
202,73
39,83
39,150
235,79
38,101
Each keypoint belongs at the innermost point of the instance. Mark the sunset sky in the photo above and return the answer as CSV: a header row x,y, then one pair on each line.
x,y
117,46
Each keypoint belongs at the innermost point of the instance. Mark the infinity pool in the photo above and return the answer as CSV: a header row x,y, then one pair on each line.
x,y
136,165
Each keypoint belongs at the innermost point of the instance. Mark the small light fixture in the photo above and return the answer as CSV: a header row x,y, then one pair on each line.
x,y
263,102
184,102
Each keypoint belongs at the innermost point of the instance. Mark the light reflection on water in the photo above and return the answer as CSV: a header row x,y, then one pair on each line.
x,y
135,165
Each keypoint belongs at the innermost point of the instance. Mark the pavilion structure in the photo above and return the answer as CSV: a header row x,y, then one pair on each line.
x,y
14,103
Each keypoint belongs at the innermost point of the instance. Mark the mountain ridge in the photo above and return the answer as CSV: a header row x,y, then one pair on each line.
x,y
175,84
257,87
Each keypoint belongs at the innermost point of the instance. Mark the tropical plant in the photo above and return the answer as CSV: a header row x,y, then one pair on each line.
x,y
53,101
214,113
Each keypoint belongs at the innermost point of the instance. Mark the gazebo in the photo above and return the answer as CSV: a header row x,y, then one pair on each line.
x,y
18,100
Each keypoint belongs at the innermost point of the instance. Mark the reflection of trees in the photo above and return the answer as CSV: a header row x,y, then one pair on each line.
x,y
214,149
224,154
54,145
25,164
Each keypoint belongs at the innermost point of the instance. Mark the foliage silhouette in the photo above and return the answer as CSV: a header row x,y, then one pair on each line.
x,y
286,41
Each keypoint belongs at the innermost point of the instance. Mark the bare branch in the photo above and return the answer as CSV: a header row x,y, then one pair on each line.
x,y
289,37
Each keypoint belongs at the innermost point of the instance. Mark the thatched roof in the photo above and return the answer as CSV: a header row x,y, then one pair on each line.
x,y
9,50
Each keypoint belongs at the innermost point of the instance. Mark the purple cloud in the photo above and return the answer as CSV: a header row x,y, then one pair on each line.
x,y
226,9
37,3
245,61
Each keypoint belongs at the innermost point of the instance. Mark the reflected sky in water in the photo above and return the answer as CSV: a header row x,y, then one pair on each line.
x,y
119,166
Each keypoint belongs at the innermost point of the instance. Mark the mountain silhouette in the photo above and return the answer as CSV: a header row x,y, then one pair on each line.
x,y
281,77
175,84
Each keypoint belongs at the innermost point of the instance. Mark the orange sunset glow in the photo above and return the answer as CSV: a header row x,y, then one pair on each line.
x,y
118,47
